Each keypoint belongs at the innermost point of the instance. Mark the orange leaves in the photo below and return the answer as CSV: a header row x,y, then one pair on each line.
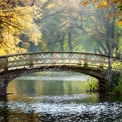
x,y
95,1
85,2
108,4
116,1
101,3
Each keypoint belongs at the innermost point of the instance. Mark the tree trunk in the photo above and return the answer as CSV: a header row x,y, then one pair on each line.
x,y
32,47
110,37
70,41
62,42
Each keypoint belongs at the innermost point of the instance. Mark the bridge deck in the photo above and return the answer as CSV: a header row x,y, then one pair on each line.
x,y
38,59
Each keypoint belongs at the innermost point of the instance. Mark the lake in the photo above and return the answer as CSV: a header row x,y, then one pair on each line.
x,y
57,97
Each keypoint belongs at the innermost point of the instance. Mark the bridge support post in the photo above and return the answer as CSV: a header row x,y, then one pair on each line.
x,y
6,64
114,81
103,86
3,87
86,62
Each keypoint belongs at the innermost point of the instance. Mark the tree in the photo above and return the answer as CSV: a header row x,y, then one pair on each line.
x,y
105,31
16,20
57,25
108,4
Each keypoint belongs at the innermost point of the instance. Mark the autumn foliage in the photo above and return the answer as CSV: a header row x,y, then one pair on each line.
x,y
16,19
63,25
107,4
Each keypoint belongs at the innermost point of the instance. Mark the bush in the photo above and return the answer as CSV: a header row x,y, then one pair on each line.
x,y
118,89
92,84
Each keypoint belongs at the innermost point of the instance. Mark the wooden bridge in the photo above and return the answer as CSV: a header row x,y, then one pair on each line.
x,y
99,66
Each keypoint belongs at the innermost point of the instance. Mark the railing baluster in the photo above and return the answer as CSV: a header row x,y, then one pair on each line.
x,y
101,62
31,61
86,61
6,64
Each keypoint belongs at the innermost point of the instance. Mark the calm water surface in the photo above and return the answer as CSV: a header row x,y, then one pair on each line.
x,y
57,99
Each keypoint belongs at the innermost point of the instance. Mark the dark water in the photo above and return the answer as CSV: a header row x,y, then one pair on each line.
x,y
47,99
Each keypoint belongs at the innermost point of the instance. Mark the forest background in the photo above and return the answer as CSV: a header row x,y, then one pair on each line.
x,y
61,25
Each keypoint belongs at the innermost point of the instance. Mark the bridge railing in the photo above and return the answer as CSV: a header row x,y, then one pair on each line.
x,y
38,59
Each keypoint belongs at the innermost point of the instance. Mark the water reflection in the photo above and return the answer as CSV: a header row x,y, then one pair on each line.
x,y
32,88
57,101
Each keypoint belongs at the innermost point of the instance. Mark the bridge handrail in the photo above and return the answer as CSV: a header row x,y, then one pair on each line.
x,y
91,59
10,55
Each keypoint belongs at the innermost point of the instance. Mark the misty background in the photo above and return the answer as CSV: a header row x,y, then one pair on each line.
x,y
67,25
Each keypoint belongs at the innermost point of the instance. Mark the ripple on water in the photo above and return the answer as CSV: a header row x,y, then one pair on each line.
x,y
61,112
62,97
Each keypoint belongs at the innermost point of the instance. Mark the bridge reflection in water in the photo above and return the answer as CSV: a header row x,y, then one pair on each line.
x,y
99,66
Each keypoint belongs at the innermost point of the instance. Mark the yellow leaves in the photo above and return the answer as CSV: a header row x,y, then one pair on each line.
x,y
14,22
37,13
38,16
120,20
107,3
52,5
24,18
119,23
103,4
10,48
36,38
2,51
34,34
8,44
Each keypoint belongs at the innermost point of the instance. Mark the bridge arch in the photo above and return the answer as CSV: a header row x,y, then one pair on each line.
x,y
91,72
13,66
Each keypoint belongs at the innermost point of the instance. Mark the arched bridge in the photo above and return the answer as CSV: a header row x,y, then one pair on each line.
x,y
99,66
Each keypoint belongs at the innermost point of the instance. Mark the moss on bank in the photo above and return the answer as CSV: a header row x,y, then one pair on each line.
x,y
92,84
